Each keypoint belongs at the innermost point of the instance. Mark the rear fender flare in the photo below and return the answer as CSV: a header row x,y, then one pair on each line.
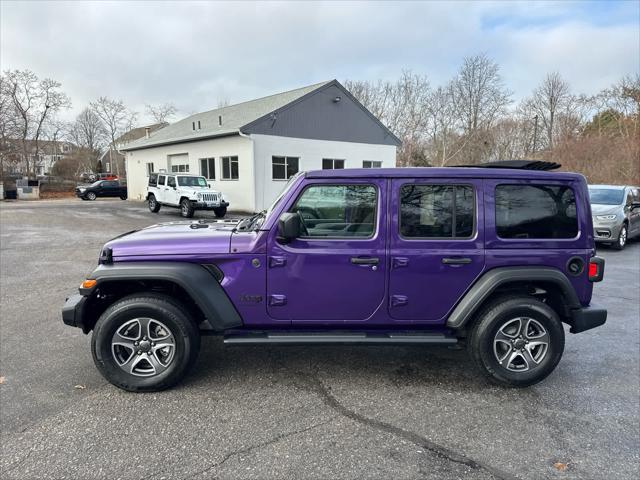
x,y
493,279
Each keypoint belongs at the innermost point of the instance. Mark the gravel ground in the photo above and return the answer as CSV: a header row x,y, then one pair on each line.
x,y
294,412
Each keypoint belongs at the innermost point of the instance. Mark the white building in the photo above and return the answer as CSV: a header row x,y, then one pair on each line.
x,y
249,150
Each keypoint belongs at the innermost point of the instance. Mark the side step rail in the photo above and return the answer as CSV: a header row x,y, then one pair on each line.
x,y
338,338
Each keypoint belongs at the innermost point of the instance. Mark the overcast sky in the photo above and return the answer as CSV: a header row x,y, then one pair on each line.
x,y
195,54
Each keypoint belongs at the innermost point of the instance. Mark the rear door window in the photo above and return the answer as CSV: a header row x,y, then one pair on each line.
x,y
171,181
535,211
436,211
161,179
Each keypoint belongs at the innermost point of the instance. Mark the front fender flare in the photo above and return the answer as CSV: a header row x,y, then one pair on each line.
x,y
493,279
199,283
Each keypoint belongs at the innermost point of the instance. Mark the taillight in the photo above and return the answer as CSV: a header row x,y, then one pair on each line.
x,y
596,269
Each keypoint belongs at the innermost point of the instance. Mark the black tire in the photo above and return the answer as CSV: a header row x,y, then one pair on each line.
x,y
91,196
162,310
186,208
623,236
485,348
220,212
154,205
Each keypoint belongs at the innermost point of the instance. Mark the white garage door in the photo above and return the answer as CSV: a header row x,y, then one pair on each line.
x,y
178,163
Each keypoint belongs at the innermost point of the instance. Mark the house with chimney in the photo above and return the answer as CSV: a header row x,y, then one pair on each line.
x,y
249,150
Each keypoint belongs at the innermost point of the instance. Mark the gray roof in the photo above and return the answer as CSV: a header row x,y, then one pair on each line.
x,y
234,117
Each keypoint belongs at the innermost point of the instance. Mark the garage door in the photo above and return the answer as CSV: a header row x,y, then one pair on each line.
x,y
178,163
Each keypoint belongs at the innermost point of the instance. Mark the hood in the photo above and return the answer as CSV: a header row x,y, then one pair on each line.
x,y
175,238
600,209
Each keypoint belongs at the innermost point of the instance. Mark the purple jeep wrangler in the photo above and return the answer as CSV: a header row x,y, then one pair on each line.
x,y
496,259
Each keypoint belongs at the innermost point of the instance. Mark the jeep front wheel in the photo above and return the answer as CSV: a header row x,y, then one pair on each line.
x,y
145,342
186,208
154,206
517,341
90,196
220,212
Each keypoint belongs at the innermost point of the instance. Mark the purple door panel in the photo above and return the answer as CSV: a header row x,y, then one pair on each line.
x,y
429,275
333,279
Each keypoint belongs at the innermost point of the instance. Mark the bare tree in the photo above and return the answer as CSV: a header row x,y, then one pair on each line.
x,y
548,100
161,113
116,118
402,107
34,102
478,93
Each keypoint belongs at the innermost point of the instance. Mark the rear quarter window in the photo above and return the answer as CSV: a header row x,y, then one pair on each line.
x,y
536,211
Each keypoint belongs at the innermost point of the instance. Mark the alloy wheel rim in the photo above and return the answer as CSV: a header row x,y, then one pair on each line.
x,y
143,347
623,237
521,344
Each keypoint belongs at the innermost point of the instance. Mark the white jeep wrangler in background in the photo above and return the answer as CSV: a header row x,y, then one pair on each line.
x,y
186,192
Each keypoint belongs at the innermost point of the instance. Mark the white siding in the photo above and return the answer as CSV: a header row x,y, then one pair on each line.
x,y
240,193
311,153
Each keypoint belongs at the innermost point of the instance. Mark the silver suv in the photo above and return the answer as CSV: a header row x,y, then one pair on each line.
x,y
616,213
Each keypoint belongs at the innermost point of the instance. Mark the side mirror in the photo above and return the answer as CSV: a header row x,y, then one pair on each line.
x,y
635,205
289,227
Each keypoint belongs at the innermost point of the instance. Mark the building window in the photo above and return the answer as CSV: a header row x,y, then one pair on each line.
x,y
149,168
436,211
283,168
208,168
230,168
332,163
180,168
535,211
371,164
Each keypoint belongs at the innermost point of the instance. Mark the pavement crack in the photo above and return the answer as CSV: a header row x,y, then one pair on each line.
x,y
251,448
438,450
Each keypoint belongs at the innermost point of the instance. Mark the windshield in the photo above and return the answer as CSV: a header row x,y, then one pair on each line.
x,y
95,184
606,196
192,182
286,188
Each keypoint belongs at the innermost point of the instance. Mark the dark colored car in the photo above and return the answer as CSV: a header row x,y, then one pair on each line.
x,y
102,188
492,258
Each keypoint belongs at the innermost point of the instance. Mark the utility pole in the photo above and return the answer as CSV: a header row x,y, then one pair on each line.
x,y
535,134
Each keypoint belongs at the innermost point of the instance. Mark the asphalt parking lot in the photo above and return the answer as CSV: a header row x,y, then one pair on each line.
x,y
294,412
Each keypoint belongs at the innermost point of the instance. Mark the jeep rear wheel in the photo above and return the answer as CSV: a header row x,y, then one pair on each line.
x,y
154,206
220,212
517,341
186,208
145,342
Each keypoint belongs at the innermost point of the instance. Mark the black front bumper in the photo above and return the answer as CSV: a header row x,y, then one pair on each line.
x,y
73,311
586,318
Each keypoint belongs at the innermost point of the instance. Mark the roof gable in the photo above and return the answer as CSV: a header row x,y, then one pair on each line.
x,y
329,112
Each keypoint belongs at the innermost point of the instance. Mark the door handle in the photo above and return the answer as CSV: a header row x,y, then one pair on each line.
x,y
456,261
365,260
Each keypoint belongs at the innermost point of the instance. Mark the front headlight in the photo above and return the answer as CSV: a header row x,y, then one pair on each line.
x,y
82,189
606,217
199,196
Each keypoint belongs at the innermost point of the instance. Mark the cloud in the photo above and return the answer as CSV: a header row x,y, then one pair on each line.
x,y
195,54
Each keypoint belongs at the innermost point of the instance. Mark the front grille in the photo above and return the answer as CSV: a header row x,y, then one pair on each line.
x,y
209,197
